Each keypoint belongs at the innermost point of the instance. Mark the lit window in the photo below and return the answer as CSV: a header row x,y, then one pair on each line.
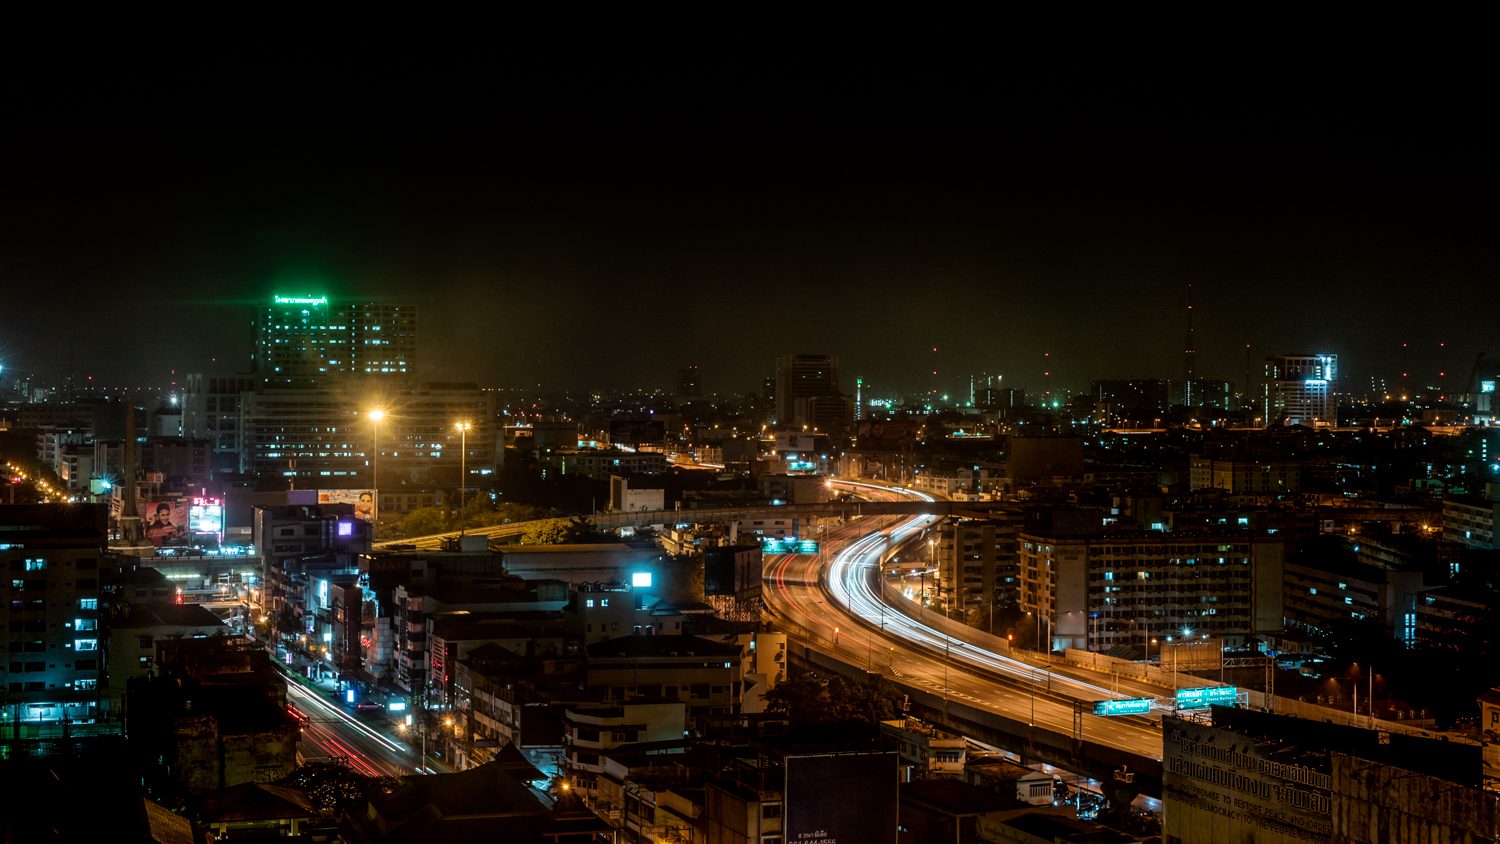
x,y
88,603
85,644
36,565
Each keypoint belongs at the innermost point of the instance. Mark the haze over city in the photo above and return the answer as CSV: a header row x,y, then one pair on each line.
x,y
603,223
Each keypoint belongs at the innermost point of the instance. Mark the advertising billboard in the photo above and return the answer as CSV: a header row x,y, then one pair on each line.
x,y
365,501
1225,785
166,522
841,798
206,515
635,432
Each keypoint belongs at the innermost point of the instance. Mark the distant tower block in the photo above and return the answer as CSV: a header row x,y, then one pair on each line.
x,y
688,386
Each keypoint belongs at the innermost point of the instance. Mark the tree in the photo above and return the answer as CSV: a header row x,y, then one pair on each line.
x,y
549,532
810,700
421,522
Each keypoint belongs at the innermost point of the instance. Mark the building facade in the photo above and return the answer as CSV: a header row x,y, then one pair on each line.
x,y
979,566
307,340
1299,389
1124,588
807,392
53,658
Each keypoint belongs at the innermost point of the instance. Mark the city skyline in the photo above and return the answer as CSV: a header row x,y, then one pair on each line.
x,y
702,210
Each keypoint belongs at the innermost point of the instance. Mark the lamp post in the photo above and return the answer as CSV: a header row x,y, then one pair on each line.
x,y
1174,666
463,478
375,416
932,562
1031,689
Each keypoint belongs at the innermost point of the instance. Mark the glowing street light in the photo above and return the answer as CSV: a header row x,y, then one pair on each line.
x,y
463,477
375,415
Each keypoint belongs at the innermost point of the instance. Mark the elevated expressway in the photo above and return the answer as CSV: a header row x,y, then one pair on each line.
x,y
847,617
640,518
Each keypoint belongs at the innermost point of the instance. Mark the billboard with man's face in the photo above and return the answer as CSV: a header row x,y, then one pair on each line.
x,y
166,522
364,500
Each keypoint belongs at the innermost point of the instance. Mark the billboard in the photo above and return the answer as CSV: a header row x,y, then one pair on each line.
x,y
206,515
634,432
365,501
1225,785
166,522
841,798
794,441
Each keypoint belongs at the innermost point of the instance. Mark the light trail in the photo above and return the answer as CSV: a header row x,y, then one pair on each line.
x,y
850,578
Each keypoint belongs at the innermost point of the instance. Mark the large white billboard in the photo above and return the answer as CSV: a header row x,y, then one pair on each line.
x,y
365,501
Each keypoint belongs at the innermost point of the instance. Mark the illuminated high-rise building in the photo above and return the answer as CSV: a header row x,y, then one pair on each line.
x,y
305,341
1299,388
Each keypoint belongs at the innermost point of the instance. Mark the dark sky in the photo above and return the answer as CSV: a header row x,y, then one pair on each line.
x,y
599,212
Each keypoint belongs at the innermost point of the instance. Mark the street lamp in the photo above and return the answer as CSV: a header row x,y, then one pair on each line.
x,y
463,454
375,415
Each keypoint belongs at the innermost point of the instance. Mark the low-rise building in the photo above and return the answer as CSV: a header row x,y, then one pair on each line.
x,y
507,700
591,730
706,676
925,750
134,631
1470,521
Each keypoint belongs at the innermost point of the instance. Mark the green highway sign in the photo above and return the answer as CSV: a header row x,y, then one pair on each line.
x,y
1129,706
785,546
1203,698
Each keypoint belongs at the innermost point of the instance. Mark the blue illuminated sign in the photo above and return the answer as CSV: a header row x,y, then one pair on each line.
x,y
1203,698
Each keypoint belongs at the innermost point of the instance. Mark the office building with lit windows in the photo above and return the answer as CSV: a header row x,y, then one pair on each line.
x,y
1123,588
53,660
977,566
305,341
1299,389
326,439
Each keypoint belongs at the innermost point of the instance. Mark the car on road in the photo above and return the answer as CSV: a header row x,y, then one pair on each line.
x,y
369,706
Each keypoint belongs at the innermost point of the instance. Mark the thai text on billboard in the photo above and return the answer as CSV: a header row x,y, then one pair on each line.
x,y
841,798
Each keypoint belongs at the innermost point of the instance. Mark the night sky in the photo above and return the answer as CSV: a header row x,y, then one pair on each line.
x,y
598,213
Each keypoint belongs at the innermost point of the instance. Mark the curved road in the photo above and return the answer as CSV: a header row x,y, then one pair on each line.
x,y
849,617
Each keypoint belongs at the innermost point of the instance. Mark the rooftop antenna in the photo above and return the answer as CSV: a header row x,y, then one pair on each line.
x,y
1190,354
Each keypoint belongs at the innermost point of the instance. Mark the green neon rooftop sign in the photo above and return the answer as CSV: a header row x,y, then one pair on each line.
x,y
301,300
